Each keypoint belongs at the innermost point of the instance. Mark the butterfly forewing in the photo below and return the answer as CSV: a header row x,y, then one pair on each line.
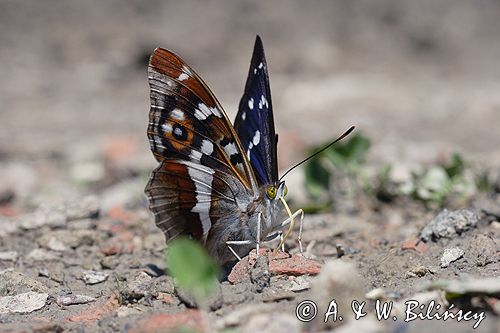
x,y
254,122
202,164
186,121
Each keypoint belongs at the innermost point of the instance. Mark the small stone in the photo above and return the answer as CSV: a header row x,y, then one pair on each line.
x,y
417,271
8,255
85,224
449,224
482,250
87,172
339,280
8,226
450,255
126,311
23,303
44,272
140,285
110,262
55,244
13,283
74,299
272,322
259,274
214,301
94,277
42,255
300,283
42,217
88,207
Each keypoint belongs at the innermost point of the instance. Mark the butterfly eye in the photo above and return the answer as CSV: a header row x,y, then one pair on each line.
x,y
271,192
285,192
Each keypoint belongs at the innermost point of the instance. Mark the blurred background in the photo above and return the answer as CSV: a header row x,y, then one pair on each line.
x,y
419,78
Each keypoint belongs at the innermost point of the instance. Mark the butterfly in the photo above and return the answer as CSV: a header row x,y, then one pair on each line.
x,y
215,182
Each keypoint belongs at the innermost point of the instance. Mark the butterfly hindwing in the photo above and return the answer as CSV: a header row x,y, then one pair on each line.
x,y
254,122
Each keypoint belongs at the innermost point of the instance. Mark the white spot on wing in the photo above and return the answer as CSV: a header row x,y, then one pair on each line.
x,y
177,114
256,138
250,103
195,155
207,147
202,180
262,102
183,77
230,149
167,128
200,115
261,65
244,115
159,144
206,110
185,69
178,131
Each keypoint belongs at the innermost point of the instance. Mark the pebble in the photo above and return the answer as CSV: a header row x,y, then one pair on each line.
x,y
58,214
23,303
74,299
8,226
13,283
339,280
41,217
94,277
449,224
482,250
125,311
140,285
8,255
259,274
276,322
300,283
418,271
450,255
42,255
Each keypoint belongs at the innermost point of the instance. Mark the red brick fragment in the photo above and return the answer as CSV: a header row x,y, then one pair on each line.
x,y
279,263
188,319
96,311
414,244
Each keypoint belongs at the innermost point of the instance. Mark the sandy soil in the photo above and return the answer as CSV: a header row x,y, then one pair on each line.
x,y
420,80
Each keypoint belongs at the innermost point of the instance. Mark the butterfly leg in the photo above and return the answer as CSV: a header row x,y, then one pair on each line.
x,y
229,243
291,221
257,247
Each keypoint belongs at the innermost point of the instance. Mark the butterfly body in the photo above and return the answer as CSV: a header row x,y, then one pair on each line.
x,y
216,183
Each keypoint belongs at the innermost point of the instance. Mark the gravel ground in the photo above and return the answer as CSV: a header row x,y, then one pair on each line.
x,y
79,250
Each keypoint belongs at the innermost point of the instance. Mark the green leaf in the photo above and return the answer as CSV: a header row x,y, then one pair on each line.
x,y
317,178
353,151
456,166
193,269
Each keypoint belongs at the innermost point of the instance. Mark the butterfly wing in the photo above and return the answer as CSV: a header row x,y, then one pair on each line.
x,y
202,164
254,122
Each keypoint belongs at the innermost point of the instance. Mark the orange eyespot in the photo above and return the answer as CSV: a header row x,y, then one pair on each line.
x,y
271,192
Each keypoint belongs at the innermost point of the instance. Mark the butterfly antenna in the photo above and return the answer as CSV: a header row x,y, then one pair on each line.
x,y
346,133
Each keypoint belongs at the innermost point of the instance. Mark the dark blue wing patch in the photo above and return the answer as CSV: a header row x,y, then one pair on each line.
x,y
254,122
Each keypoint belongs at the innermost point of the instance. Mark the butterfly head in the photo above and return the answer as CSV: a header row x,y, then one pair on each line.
x,y
275,192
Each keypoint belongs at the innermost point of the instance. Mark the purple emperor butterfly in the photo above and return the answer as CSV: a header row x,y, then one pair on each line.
x,y
216,183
